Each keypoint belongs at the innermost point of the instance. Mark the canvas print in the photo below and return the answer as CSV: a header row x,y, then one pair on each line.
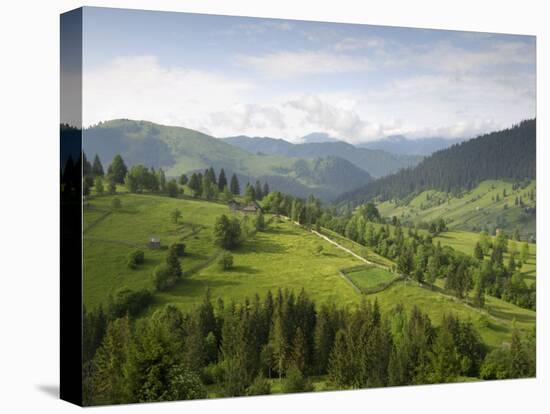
x,y
277,206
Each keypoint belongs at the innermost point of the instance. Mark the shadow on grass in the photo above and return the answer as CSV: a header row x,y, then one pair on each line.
x,y
192,288
509,316
262,245
195,256
249,270
498,328
282,230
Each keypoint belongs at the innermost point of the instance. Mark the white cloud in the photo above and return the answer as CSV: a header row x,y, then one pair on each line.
x,y
336,120
355,43
140,88
445,103
285,65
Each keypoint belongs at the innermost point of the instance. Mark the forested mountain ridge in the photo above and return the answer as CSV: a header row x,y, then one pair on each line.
x,y
179,150
508,154
376,162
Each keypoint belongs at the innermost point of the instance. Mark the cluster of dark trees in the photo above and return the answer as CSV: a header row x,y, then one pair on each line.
x,y
208,186
507,154
174,355
95,176
504,279
306,212
167,274
137,179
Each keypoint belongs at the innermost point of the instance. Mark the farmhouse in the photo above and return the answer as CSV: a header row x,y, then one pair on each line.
x,y
251,207
154,243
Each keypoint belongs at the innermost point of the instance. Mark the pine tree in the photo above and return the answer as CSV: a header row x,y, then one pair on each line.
x,y
444,360
279,344
234,186
97,167
250,193
258,191
324,337
222,180
265,189
479,289
211,174
478,251
161,180
109,382
172,261
519,362
340,367
299,351
117,169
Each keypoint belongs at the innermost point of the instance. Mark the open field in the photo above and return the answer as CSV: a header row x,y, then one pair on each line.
x,y
477,209
284,256
370,277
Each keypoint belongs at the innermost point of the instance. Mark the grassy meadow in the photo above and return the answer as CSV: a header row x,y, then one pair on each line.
x,y
284,256
476,209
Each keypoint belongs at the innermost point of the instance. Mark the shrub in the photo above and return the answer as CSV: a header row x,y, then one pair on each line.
x,y
212,374
296,382
163,277
225,262
127,301
135,258
179,248
116,203
184,384
260,386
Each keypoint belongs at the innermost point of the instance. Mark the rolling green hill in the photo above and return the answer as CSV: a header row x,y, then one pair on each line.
x,y
376,162
492,204
180,150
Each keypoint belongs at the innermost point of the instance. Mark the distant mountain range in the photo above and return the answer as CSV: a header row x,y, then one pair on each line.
x,y
398,144
509,154
376,162
180,150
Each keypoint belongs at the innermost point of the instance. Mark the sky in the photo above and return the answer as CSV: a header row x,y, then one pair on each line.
x,y
228,76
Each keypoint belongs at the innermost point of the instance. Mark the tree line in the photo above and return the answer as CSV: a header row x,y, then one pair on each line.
x,y
507,154
243,347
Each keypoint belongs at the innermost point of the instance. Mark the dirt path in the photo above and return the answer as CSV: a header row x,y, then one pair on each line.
x,y
342,247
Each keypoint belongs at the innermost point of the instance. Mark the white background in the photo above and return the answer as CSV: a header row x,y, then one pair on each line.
x,y
29,240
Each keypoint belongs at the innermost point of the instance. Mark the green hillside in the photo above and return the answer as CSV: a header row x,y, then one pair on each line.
x,y
309,262
492,204
180,150
108,242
